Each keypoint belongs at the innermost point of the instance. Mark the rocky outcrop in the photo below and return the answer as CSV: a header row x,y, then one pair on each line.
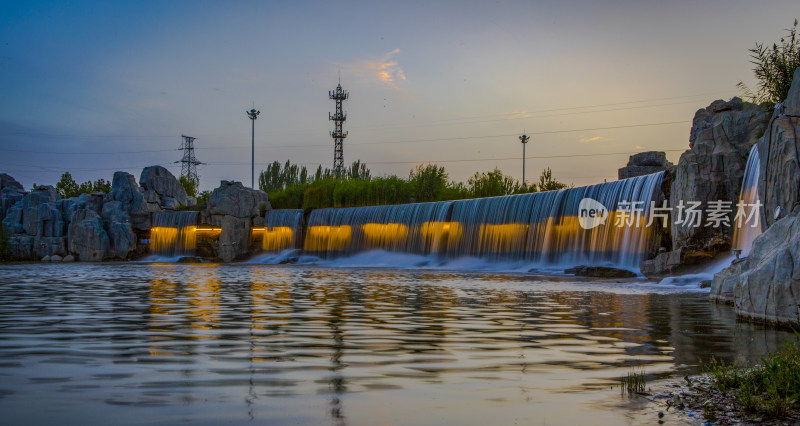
x,y
778,150
11,192
87,238
766,285
159,184
131,199
599,272
233,199
35,224
645,163
235,208
712,169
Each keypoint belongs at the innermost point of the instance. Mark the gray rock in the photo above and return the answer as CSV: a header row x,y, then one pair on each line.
x,y
87,238
49,246
778,151
46,259
21,246
645,163
56,258
123,240
663,264
233,199
131,201
766,285
234,239
6,181
164,184
69,258
599,272
9,196
712,169
13,220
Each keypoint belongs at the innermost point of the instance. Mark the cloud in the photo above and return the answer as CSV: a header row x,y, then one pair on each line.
x,y
595,139
639,147
383,69
516,115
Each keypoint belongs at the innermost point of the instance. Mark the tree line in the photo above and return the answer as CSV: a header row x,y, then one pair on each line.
x,y
291,186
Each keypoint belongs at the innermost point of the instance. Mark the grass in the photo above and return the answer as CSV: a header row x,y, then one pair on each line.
x,y
634,382
769,388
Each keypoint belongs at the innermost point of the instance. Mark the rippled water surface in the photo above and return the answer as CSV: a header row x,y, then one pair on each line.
x,y
214,344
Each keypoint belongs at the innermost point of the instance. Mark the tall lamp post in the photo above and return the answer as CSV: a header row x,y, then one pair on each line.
x,y
253,114
524,139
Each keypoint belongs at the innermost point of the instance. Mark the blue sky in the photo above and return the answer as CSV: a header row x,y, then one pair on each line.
x,y
94,87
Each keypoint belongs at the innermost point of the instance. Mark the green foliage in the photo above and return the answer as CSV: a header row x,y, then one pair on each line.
x,y
68,188
290,187
774,68
189,185
772,388
547,183
203,197
429,182
492,184
634,382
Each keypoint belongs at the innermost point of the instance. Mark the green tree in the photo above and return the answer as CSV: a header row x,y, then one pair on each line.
x,y
429,182
492,184
189,185
774,68
547,183
67,187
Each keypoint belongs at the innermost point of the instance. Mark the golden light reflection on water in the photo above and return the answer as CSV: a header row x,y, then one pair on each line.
x,y
401,345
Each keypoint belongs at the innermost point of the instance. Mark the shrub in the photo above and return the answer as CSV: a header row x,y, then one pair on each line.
x,y
774,68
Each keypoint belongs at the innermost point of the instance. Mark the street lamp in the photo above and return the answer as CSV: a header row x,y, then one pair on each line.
x,y
524,139
253,114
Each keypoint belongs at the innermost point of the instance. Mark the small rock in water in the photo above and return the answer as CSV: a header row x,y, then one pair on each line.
x,y
46,259
68,258
56,258
660,414
599,272
190,259
705,284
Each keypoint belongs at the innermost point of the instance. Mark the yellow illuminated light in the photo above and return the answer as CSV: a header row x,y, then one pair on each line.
x,y
503,237
322,238
276,239
442,234
165,239
384,235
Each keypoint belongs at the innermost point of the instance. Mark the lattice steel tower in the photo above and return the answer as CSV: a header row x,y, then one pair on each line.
x,y
337,134
189,162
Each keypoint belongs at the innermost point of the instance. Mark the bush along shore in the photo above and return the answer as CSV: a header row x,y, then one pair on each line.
x,y
765,393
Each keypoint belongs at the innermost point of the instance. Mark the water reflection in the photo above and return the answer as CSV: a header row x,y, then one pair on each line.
x,y
226,343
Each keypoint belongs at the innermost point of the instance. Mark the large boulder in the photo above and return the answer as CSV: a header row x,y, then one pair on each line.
x,y
169,190
11,192
712,169
131,200
645,163
233,199
234,240
779,152
766,285
87,238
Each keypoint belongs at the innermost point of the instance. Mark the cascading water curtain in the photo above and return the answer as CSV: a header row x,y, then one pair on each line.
x,y
539,228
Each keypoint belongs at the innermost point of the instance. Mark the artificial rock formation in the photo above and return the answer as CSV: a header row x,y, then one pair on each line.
x,y
162,188
645,163
235,208
778,150
712,169
765,286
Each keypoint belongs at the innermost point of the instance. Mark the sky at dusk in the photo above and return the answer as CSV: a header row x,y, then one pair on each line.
x,y
95,87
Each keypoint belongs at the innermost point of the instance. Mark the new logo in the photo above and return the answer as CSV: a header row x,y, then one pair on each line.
x,y
591,213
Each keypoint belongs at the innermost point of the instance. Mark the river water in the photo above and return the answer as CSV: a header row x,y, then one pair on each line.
x,y
131,343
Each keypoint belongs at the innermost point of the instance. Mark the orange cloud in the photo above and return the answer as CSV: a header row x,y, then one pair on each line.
x,y
384,69
594,139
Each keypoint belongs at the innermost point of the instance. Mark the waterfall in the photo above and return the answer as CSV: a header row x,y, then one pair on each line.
x,y
173,233
538,228
282,230
748,223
